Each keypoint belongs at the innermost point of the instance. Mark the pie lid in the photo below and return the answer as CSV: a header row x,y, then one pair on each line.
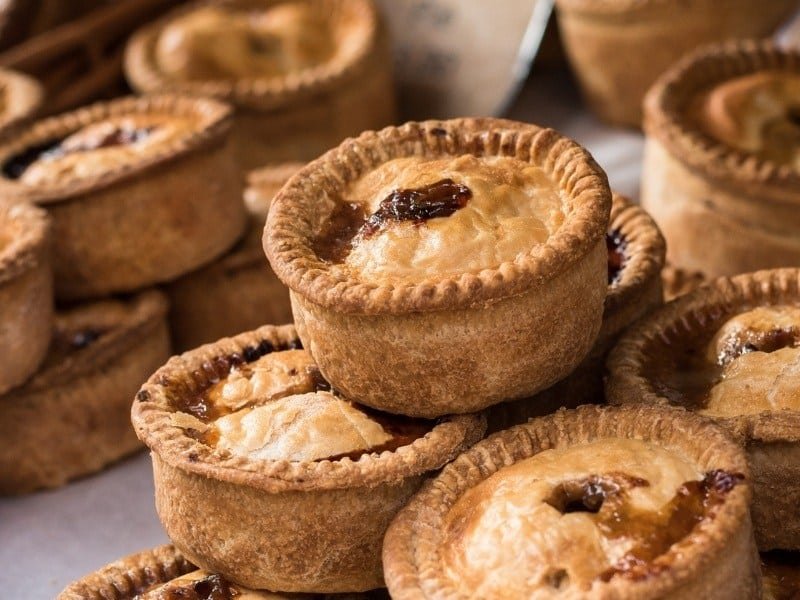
x,y
288,240
708,306
195,370
360,24
666,103
212,120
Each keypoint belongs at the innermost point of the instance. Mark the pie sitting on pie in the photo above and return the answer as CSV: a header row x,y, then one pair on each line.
x,y
26,292
730,351
269,477
445,266
597,502
722,158
72,418
303,74
148,183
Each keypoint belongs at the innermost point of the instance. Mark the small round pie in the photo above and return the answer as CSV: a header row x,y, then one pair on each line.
x,y
164,574
445,266
730,351
26,292
266,475
588,503
147,183
635,260
722,158
20,98
72,418
239,292
303,74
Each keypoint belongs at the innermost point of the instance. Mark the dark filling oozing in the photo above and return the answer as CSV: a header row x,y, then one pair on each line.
x,y
16,166
404,430
616,246
781,572
681,372
212,587
654,532
348,221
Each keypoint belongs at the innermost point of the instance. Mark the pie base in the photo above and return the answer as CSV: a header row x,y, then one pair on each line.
x,y
160,219
722,211
771,439
26,294
618,49
74,419
291,526
719,564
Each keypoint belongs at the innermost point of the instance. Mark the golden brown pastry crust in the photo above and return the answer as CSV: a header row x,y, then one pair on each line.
x,y
21,98
293,526
619,47
716,560
678,281
723,211
26,292
300,116
470,349
161,215
772,439
636,291
239,292
72,418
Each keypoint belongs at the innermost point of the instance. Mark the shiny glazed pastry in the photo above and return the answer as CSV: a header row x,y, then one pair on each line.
x,y
26,292
721,173
144,182
447,249
266,475
619,47
303,74
635,259
591,503
730,351
164,574
238,292
72,417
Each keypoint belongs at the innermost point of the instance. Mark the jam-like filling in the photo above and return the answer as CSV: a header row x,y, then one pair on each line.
x,y
16,166
348,221
616,246
781,573
653,532
212,587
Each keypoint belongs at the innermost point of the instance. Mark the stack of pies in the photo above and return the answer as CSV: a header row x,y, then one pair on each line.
x,y
302,74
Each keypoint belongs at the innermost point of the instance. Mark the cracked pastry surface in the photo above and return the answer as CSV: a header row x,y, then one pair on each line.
x,y
565,518
279,408
214,43
98,148
757,113
413,218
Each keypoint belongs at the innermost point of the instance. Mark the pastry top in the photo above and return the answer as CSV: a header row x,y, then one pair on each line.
x,y
66,155
413,218
757,113
256,409
437,215
215,42
24,231
263,184
566,518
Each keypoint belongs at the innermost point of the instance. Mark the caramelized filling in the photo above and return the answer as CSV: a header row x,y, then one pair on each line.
x,y
616,246
781,571
348,221
120,136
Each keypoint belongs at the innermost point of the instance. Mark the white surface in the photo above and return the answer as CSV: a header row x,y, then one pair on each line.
x,y
52,538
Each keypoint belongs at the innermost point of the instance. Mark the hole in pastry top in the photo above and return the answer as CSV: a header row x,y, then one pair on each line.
x,y
736,364
757,113
97,148
413,217
226,42
781,572
271,403
617,255
568,518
